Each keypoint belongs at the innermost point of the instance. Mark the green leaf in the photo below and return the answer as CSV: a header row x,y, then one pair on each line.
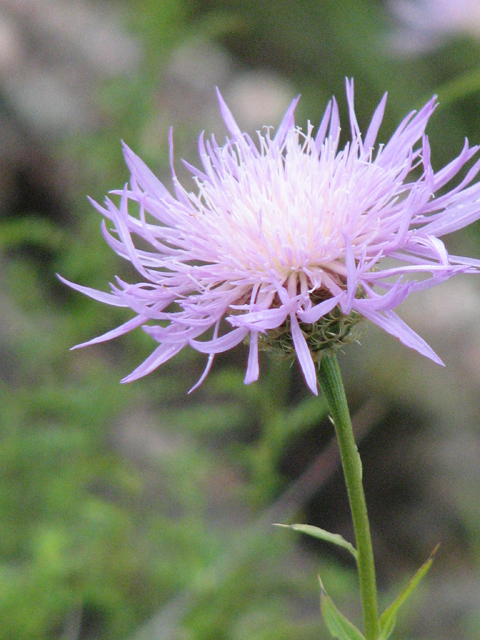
x,y
336,622
389,616
316,532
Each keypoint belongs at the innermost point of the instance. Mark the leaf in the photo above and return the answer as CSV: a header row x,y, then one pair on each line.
x,y
336,622
321,534
389,616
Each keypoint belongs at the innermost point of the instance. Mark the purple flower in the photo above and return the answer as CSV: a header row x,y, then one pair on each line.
x,y
283,232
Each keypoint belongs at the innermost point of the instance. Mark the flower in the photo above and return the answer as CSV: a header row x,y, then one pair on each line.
x,y
429,22
281,235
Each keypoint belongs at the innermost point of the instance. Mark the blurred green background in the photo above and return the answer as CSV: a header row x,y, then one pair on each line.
x,y
138,512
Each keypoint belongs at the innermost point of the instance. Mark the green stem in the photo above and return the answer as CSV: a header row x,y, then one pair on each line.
x,y
331,383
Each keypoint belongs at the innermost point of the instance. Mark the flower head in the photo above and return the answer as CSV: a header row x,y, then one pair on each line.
x,y
285,237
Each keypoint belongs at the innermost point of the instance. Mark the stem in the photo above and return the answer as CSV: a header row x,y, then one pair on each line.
x,y
331,383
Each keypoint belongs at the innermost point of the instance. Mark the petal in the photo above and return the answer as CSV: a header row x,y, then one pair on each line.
x,y
252,366
322,129
146,178
390,322
114,333
260,320
355,129
455,217
162,354
304,356
375,123
352,276
319,310
107,298
288,123
471,262
174,333
218,345
389,300
228,118
206,371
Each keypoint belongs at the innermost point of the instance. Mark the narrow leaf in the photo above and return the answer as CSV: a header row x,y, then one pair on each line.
x,y
321,534
389,616
336,622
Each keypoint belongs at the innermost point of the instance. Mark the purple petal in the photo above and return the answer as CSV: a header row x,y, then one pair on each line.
x,y
288,123
205,373
252,366
355,129
375,123
319,310
352,276
390,300
322,129
260,320
146,178
304,356
218,345
229,120
107,298
162,354
114,333
391,323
